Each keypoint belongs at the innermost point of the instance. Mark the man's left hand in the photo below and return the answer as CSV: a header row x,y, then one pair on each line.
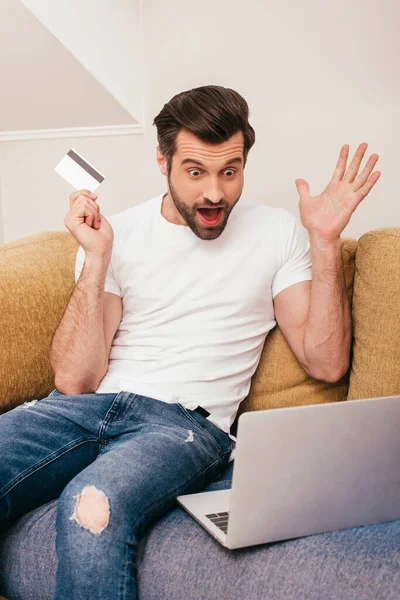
x,y
327,215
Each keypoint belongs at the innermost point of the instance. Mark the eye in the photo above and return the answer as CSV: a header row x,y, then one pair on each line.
x,y
198,171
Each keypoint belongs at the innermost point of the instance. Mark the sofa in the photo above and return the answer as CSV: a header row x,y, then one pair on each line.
x,y
178,559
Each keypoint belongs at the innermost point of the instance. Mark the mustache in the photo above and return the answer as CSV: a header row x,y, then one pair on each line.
x,y
206,206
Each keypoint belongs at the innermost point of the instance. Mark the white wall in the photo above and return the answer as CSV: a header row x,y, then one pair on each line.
x,y
316,75
104,36
43,86
1,201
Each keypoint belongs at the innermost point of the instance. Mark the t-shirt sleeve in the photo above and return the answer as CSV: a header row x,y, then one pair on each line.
x,y
110,285
296,254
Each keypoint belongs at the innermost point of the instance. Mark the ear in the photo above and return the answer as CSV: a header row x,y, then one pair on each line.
x,y
162,162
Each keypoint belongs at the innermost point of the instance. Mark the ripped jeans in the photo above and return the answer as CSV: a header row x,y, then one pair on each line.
x,y
117,462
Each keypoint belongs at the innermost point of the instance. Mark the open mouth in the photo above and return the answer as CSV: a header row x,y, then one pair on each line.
x,y
210,216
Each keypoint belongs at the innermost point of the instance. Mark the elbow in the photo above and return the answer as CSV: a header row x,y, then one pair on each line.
x,y
74,388
334,376
331,376
341,370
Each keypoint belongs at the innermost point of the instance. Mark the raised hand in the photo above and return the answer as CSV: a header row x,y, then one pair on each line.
x,y
327,215
88,226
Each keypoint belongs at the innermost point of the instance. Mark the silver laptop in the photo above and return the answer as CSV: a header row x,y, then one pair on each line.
x,y
305,470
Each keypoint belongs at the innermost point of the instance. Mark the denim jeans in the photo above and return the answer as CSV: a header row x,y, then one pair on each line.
x,y
116,462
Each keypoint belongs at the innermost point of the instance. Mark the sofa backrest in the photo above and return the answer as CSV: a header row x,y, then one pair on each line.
x,y
375,370
36,282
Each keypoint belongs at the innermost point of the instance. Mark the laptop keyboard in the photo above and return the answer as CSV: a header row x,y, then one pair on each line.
x,y
220,520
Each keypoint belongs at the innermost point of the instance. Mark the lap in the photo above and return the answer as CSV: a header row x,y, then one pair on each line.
x,y
43,444
142,452
142,471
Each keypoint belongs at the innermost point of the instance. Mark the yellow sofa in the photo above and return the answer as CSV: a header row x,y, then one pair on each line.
x,y
37,280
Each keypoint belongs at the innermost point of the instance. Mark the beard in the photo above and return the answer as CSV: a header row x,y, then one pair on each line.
x,y
191,216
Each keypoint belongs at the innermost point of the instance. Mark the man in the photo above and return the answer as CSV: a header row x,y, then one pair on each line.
x,y
174,298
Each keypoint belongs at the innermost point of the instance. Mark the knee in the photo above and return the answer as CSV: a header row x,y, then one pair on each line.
x,y
92,509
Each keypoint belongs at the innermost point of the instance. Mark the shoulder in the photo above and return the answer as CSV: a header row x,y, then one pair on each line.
x,y
259,212
129,217
277,223
130,224
291,224
283,231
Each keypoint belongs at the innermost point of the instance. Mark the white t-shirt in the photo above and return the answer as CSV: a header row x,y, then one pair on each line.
x,y
196,312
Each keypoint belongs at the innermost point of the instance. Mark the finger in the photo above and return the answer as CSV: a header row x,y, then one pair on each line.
x,y
75,195
73,202
83,209
93,220
89,220
355,163
341,163
303,188
84,192
87,205
366,188
96,221
366,172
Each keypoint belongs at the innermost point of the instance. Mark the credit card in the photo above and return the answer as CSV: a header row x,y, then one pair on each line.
x,y
79,172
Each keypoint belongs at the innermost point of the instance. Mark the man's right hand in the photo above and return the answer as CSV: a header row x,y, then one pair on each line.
x,y
88,226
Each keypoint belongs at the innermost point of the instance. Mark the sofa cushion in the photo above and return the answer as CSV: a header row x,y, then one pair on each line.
x,y
280,380
375,368
36,282
177,559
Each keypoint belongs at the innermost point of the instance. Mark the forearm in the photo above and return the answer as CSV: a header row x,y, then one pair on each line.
x,y
327,338
77,352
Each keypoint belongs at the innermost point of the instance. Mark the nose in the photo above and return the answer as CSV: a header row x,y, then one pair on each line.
x,y
214,192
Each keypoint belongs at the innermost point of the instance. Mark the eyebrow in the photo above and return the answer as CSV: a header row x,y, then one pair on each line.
x,y
237,159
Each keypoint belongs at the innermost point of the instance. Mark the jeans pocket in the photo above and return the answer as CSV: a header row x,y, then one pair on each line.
x,y
207,428
55,393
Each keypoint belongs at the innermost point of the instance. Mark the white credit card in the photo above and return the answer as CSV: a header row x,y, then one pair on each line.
x,y
79,172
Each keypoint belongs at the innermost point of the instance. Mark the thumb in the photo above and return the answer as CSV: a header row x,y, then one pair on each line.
x,y
302,187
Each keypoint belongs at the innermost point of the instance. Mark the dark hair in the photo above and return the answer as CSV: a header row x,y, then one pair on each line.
x,y
213,113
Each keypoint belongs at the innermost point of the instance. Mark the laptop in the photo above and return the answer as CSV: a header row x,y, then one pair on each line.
x,y
306,470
